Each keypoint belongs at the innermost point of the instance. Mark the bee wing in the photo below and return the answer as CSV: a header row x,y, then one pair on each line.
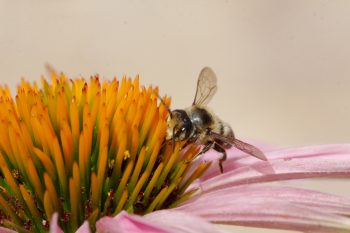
x,y
240,145
249,149
206,87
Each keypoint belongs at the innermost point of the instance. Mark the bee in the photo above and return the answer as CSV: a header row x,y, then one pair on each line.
x,y
198,124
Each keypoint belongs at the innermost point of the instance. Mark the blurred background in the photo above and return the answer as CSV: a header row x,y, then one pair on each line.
x,y
283,67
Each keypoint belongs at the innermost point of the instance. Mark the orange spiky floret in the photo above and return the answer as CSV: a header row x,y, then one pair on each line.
x,y
87,149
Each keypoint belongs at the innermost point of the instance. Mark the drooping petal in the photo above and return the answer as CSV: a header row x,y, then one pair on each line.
x,y
322,162
84,228
182,222
324,202
6,230
272,207
54,228
164,221
125,223
237,159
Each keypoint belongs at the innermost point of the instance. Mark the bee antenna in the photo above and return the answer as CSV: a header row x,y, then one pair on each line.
x,y
166,106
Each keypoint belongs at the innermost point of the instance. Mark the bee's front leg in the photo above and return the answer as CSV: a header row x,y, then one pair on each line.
x,y
206,147
192,139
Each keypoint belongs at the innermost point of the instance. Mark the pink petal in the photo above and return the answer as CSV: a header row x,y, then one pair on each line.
x,y
272,207
165,221
125,223
237,160
324,202
306,163
54,228
6,230
181,222
85,228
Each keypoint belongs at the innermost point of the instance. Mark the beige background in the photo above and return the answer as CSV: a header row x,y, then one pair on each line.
x,y
283,66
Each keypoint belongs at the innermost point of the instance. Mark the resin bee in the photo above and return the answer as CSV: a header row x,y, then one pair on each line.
x,y
197,124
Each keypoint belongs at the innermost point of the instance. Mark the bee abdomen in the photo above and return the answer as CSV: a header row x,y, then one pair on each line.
x,y
225,130
228,131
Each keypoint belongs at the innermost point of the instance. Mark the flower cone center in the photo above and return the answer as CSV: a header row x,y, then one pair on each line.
x,y
87,149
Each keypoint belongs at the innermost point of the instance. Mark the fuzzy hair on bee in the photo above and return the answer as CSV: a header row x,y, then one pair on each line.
x,y
198,124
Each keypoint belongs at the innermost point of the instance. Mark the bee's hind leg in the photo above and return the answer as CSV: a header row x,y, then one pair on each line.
x,y
222,150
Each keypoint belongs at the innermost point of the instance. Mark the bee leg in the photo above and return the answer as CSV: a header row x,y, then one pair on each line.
x,y
220,149
186,144
190,140
205,149
173,138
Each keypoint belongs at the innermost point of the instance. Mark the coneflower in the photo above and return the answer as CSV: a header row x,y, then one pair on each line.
x,y
87,149
85,155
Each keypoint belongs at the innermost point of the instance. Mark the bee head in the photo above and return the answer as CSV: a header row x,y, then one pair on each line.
x,y
179,126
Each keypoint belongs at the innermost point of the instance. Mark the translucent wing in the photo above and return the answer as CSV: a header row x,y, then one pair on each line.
x,y
206,87
249,149
243,146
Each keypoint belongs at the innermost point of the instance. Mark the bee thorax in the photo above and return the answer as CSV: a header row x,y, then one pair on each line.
x,y
200,117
